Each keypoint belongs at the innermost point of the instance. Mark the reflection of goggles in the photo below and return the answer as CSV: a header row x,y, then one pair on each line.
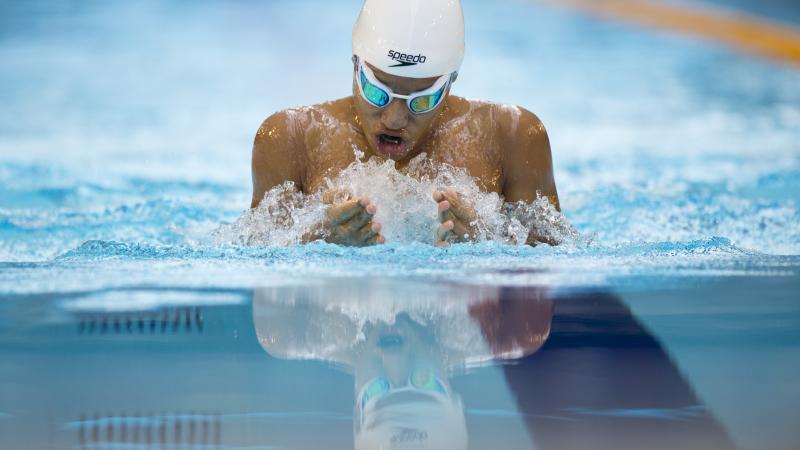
x,y
421,381
380,95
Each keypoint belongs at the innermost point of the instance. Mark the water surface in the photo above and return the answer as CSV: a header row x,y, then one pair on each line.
x,y
125,138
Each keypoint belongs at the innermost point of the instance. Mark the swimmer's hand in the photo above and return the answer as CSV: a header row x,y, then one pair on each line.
x,y
350,223
455,217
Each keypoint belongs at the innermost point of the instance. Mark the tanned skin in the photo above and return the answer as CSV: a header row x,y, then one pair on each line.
x,y
505,148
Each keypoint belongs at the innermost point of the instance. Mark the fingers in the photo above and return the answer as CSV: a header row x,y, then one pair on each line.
x,y
370,234
459,207
351,223
444,211
453,210
364,216
343,212
452,201
443,232
377,240
458,231
462,232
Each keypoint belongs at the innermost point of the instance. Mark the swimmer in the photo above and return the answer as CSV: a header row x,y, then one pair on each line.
x,y
406,57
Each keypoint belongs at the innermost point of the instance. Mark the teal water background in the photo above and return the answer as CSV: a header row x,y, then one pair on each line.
x,y
126,133
126,128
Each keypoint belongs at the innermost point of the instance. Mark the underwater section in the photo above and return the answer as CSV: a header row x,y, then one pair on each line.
x,y
367,364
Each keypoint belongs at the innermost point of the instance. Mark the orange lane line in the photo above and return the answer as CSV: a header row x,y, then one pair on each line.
x,y
752,34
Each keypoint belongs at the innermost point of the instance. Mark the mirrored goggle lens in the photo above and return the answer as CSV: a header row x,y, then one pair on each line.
x,y
426,103
374,94
375,388
426,380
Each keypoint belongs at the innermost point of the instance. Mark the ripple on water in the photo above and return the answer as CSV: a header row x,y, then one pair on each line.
x,y
110,264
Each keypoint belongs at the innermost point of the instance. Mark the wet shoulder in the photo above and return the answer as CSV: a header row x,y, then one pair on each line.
x,y
461,108
501,116
307,128
511,122
331,114
307,118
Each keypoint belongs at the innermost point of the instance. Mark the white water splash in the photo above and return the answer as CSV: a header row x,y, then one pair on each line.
x,y
405,207
283,217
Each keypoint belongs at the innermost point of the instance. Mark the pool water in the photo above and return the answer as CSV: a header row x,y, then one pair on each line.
x,y
125,139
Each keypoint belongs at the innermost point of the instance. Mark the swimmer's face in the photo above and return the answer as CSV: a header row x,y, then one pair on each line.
x,y
394,131
396,351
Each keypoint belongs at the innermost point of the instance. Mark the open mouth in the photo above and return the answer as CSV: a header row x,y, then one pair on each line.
x,y
389,139
390,341
389,144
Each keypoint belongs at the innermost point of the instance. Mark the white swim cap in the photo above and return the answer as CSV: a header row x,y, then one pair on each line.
x,y
413,424
411,38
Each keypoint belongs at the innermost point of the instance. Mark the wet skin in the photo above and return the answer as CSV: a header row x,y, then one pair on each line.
x,y
504,147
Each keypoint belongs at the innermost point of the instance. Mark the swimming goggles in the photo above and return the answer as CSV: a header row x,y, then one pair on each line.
x,y
420,380
380,95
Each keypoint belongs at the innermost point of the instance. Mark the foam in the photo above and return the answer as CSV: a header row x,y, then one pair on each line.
x,y
405,207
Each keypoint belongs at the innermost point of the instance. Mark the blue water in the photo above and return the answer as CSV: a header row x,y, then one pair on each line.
x,y
671,154
125,137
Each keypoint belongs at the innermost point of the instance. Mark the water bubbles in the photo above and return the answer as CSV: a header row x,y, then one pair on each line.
x,y
284,217
405,207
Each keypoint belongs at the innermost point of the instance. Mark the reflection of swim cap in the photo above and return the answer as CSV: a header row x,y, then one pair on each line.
x,y
411,38
408,420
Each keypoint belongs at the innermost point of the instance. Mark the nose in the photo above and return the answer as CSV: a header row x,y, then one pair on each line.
x,y
395,116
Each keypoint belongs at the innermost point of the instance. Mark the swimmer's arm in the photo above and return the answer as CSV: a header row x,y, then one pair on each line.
x,y
276,156
528,164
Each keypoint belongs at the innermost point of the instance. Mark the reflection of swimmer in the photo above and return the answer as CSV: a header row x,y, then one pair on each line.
x,y
598,379
406,56
404,399
402,344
